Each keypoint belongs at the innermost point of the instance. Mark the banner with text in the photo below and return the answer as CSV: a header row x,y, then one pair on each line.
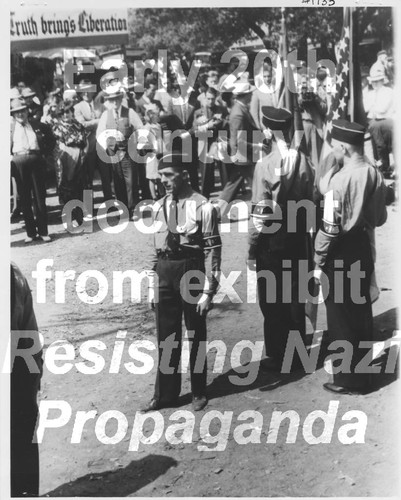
x,y
34,29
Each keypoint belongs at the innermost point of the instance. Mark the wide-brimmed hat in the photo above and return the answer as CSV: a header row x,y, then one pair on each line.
x,y
18,105
113,95
28,92
69,95
377,74
86,87
246,88
14,93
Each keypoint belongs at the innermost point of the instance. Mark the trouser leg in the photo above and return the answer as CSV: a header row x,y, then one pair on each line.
x,y
207,177
169,332
223,174
24,458
233,184
130,176
279,303
24,166
119,184
143,182
196,326
349,313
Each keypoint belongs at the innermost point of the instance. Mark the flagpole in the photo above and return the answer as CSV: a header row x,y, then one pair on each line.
x,y
351,102
284,53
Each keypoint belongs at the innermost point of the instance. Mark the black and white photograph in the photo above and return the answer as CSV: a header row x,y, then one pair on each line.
x,y
200,263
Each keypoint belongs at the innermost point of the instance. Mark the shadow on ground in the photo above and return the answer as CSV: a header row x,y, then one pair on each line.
x,y
119,482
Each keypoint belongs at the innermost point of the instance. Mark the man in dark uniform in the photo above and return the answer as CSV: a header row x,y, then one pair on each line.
x,y
187,243
282,176
357,207
25,383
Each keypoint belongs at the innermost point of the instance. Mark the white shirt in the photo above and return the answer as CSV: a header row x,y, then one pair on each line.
x,y
379,103
24,139
133,119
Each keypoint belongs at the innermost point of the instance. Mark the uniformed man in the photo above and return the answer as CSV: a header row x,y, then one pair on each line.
x,y
25,384
343,248
187,244
284,175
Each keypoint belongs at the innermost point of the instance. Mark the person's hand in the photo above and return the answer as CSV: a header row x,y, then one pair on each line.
x,y
251,264
151,298
317,274
204,305
151,289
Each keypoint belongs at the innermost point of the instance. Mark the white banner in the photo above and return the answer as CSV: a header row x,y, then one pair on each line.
x,y
34,24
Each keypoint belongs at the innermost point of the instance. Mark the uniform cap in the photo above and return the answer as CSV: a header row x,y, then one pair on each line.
x,y
276,118
174,159
349,132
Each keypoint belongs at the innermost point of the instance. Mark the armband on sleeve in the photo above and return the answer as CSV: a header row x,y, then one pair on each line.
x,y
331,228
213,241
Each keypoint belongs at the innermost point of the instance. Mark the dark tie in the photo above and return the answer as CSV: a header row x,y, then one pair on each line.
x,y
173,238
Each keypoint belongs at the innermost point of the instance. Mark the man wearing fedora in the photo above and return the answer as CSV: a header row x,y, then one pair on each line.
x,y
88,116
379,106
33,103
281,179
381,63
122,122
30,140
343,252
240,146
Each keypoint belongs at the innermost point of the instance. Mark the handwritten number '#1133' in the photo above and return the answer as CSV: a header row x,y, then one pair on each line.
x,y
322,3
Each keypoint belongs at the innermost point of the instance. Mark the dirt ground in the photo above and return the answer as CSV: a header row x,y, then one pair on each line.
x,y
92,468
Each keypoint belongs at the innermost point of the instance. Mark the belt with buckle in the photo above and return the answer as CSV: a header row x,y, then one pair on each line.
x,y
179,254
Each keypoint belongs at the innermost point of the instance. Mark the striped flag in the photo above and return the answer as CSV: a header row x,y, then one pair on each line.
x,y
347,99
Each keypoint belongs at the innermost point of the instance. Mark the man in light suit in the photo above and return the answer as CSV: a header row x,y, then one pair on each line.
x,y
241,146
264,95
86,114
210,117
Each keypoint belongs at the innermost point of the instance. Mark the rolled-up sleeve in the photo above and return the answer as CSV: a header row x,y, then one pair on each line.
x,y
212,248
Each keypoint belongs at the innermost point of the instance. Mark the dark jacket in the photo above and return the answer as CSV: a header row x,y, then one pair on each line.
x,y
44,135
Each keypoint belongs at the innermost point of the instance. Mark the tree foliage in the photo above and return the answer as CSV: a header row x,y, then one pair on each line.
x,y
180,30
